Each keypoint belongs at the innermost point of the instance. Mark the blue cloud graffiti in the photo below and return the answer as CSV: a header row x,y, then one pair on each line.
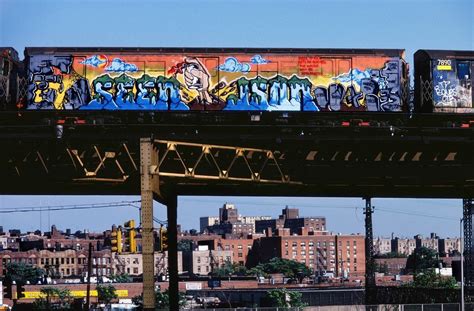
x,y
93,61
355,75
258,59
119,65
231,64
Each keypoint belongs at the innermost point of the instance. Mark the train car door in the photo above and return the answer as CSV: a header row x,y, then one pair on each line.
x,y
209,85
340,91
464,75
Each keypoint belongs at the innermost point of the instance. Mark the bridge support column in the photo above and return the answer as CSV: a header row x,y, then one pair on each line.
x,y
468,214
172,210
369,254
149,187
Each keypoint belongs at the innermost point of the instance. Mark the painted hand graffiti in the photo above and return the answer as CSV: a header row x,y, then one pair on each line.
x,y
197,78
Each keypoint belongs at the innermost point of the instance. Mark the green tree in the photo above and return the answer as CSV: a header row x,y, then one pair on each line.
x,y
257,271
421,259
282,298
391,255
162,300
290,268
430,279
53,299
106,293
23,273
229,268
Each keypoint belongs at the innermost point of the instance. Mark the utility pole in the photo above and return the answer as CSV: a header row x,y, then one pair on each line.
x,y
369,254
89,271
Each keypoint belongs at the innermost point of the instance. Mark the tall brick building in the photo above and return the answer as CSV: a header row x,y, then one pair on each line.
x,y
342,254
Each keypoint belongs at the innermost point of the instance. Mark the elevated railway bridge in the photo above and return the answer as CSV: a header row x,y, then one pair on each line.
x,y
166,154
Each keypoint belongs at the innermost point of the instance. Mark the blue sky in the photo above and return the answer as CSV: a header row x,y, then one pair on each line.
x,y
408,24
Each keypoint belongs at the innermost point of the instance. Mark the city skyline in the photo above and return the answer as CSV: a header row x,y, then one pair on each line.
x,y
344,215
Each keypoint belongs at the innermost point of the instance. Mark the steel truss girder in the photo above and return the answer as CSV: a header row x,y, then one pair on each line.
x,y
79,162
217,162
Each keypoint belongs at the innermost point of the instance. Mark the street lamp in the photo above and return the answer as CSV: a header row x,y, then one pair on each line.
x,y
462,263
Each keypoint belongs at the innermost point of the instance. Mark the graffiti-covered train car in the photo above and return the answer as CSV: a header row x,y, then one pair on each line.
x,y
11,72
443,81
216,79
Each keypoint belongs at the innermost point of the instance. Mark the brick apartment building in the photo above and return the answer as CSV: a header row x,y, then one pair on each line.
x,y
203,261
67,263
342,254
289,218
132,264
240,247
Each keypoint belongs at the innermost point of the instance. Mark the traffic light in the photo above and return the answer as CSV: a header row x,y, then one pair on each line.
x,y
130,236
7,288
20,290
116,239
163,239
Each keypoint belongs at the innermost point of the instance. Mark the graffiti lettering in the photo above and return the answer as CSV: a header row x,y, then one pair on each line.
x,y
446,92
123,84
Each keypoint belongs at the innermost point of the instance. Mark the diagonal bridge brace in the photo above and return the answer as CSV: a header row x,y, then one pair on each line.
x,y
217,162
102,157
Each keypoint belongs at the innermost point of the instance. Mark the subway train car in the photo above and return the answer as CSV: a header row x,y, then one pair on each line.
x,y
11,75
194,79
443,81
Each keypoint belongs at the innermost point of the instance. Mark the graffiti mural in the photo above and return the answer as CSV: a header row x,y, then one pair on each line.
x,y
241,82
452,89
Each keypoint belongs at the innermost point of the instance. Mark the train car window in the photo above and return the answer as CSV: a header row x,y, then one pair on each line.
x,y
5,67
463,70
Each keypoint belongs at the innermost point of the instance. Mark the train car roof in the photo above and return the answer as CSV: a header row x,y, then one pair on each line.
x,y
436,54
384,52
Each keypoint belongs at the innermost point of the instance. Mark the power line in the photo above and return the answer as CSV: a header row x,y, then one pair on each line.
x,y
76,205
67,207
